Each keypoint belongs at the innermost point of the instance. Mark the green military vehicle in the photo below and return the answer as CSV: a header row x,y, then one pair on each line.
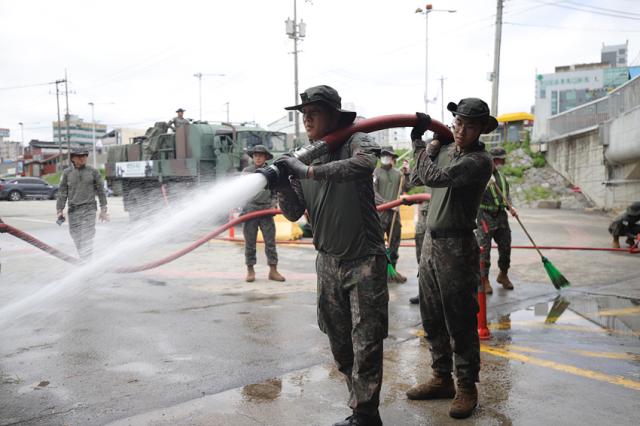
x,y
163,164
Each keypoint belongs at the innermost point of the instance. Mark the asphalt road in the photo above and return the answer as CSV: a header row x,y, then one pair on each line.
x,y
179,343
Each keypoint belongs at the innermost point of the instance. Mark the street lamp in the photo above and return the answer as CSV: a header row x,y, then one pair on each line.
x,y
199,76
427,10
93,135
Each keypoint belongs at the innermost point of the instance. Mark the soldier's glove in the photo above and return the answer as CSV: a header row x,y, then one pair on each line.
x,y
444,140
421,126
292,166
405,201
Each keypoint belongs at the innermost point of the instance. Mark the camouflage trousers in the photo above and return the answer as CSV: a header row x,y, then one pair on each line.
x,y
448,278
421,228
386,219
353,303
82,227
250,230
494,227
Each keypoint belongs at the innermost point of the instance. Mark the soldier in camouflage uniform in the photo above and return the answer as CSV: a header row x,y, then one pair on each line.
x,y
337,191
265,199
177,121
449,266
386,182
493,223
79,187
626,225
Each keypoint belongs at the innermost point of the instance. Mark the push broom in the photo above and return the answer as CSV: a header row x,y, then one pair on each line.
x,y
557,279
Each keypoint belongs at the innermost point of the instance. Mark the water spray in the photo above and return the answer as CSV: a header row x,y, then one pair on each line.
x,y
333,141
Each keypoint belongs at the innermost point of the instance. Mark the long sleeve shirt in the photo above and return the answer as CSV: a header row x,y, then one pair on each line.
x,y
80,187
340,201
458,179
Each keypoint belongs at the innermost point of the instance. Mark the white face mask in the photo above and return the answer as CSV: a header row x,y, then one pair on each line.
x,y
385,160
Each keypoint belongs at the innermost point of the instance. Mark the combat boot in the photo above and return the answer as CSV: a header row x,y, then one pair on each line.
x,y
503,279
414,300
466,400
251,274
486,285
438,387
357,419
400,279
274,275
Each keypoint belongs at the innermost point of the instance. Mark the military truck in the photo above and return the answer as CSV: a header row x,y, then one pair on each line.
x,y
163,164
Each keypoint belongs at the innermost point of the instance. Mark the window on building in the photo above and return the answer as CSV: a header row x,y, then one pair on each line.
x,y
543,94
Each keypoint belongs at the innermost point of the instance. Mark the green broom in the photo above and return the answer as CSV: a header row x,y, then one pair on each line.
x,y
391,272
557,279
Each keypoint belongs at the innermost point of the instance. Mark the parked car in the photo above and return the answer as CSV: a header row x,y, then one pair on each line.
x,y
17,189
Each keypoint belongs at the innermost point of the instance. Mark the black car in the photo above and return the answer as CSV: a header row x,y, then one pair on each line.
x,y
27,187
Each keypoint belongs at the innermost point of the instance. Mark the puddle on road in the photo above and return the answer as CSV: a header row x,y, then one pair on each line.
x,y
608,314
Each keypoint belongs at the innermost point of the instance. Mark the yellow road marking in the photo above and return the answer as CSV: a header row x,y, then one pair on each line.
x,y
610,355
633,310
519,348
499,326
565,368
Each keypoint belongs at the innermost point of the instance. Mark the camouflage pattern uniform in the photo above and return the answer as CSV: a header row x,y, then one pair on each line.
x,y
449,266
386,183
493,223
79,187
351,263
266,199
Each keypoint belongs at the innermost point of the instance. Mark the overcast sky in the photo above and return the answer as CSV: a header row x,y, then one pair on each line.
x,y
136,59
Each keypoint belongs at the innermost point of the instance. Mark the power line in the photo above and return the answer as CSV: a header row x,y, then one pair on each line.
x,y
26,86
579,9
521,24
603,9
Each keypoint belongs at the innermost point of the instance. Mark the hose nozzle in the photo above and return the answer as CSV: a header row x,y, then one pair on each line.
x,y
272,174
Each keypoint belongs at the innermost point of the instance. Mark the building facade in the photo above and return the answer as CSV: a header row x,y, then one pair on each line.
x,y
80,131
10,151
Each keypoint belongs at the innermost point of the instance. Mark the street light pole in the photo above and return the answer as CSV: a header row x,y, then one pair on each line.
x,y
427,10
296,31
21,132
93,134
199,76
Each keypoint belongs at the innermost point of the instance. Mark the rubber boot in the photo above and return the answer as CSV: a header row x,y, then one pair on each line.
x,y
251,274
465,401
414,300
357,419
503,279
487,285
438,387
274,275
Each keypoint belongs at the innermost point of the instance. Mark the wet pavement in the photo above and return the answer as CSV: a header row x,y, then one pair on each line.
x,y
191,343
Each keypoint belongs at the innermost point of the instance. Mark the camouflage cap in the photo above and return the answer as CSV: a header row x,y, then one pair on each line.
x,y
79,151
180,110
328,96
388,150
498,152
262,149
634,209
474,108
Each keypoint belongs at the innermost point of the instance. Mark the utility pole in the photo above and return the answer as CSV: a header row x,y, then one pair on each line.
x,y
21,133
296,31
227,105
93,135
496,61
57,82
442,79
199,76
66,118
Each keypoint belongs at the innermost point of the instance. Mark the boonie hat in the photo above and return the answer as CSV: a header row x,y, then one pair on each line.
x,y
474,108
388,150
180,110
328,96
498,152
634,209
79,151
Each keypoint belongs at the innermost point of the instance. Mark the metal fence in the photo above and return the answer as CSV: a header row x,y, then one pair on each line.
x,y
620,100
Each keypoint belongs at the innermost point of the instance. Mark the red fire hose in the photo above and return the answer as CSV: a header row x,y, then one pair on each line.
x,y
36,242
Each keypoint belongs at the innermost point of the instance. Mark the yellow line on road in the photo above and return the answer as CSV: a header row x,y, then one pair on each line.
x,y
610,355
565,368
519,348
633,310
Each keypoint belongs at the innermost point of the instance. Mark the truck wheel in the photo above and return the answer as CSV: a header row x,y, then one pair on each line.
x,y
15,196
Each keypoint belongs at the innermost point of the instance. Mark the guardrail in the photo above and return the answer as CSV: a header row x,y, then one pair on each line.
x,y
618,101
